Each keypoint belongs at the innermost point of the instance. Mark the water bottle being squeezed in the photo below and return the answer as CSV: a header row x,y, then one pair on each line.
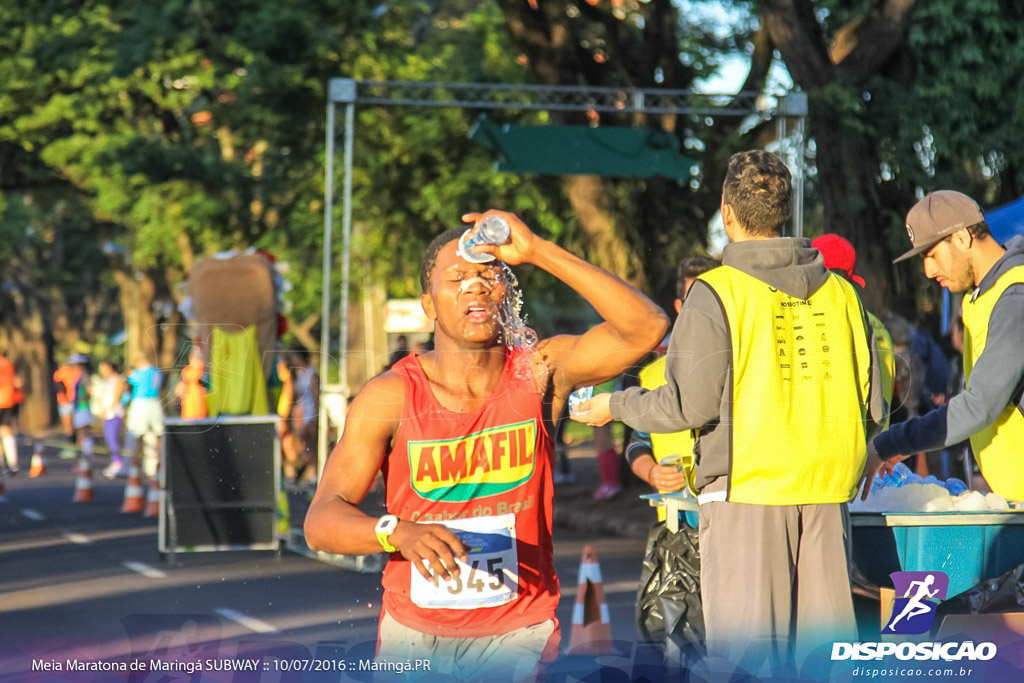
x,y
578,397
490,230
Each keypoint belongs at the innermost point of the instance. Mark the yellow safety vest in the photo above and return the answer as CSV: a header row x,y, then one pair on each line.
x,y
667,447
999,447
883,342
801,379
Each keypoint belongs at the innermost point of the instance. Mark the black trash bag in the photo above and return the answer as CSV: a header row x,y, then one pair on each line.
x,y
668,607
1004,593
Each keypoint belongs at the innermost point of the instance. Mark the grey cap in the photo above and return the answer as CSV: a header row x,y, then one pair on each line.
x,y
938,216
77,358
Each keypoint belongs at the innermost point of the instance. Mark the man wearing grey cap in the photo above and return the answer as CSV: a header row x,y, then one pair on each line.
x,y
948,230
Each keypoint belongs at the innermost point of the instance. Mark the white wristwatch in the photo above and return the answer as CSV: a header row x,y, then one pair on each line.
x,y
386,526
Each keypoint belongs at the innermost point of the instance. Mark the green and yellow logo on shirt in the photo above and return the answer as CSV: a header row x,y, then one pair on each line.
x,y
484,463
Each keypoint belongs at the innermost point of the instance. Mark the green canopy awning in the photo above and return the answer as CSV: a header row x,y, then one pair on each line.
x,y
572,150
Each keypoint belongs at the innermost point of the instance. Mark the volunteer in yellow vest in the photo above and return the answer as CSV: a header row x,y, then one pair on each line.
x,y
771,359
948,229
652,456
841,258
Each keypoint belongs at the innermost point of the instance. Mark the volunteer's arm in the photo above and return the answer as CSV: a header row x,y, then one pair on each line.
x,y
996,379
696,370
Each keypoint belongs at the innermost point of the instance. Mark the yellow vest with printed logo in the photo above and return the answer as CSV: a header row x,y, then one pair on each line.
x,y
667,446
999,447
801,379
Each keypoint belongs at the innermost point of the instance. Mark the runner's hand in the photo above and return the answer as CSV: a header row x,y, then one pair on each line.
x,y
520,245
435,543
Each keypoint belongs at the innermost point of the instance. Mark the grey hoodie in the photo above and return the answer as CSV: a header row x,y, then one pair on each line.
x,y
997,379
699,365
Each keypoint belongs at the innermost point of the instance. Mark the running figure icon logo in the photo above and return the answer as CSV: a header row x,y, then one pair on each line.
x,y
917,596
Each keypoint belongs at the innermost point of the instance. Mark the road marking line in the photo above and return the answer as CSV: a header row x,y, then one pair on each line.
x,y
77,538
145,570
251,623
32,514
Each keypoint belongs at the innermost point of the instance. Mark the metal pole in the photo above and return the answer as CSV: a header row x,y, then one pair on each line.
x,y
798,182
783,142
794,105
325,290
346,248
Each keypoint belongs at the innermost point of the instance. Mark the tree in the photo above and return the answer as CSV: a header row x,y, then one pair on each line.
x,y
640,229
905,98
836,71
184,128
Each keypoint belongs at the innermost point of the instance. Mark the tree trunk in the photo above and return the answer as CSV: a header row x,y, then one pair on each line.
x,y
849,195
847,157
138,292
586,193
28,341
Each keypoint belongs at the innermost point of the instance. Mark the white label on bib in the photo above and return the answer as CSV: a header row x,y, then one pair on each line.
x,y
489,577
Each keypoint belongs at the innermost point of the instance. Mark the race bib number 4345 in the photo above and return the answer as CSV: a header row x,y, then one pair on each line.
x,y
488,577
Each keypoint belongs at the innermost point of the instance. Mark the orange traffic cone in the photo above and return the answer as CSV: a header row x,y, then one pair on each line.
x,y
84,492
38,468
153,499
591,622
133,491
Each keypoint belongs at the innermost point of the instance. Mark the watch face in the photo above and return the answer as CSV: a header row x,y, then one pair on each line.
x,y
387,524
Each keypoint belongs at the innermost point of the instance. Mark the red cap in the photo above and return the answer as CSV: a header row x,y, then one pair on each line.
x,y
839,254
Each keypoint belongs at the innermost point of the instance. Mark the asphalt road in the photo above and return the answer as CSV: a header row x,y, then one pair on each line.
x,y
84,584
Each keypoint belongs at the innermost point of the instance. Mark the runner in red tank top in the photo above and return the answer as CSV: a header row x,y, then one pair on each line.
x,y
462,435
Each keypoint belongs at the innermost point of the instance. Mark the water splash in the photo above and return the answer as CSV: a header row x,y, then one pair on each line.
x,y
514,330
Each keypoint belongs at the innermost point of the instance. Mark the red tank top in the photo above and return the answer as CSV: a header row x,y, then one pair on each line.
x,y
494,461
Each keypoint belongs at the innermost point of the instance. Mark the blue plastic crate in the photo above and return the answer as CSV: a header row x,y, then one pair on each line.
x,y
968,546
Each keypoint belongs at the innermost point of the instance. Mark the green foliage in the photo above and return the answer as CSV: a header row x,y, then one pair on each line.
x,y
967,96
159,125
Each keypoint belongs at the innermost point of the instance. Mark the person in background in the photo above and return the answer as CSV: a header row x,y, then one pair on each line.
x,y
107,389
948,229
64,379
285,403
933,384
8,418
145,420
190,389
304,414
82,417
909,371
841,258
19,400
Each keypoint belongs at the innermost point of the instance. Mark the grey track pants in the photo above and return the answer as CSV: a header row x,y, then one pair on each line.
x,y
775,580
